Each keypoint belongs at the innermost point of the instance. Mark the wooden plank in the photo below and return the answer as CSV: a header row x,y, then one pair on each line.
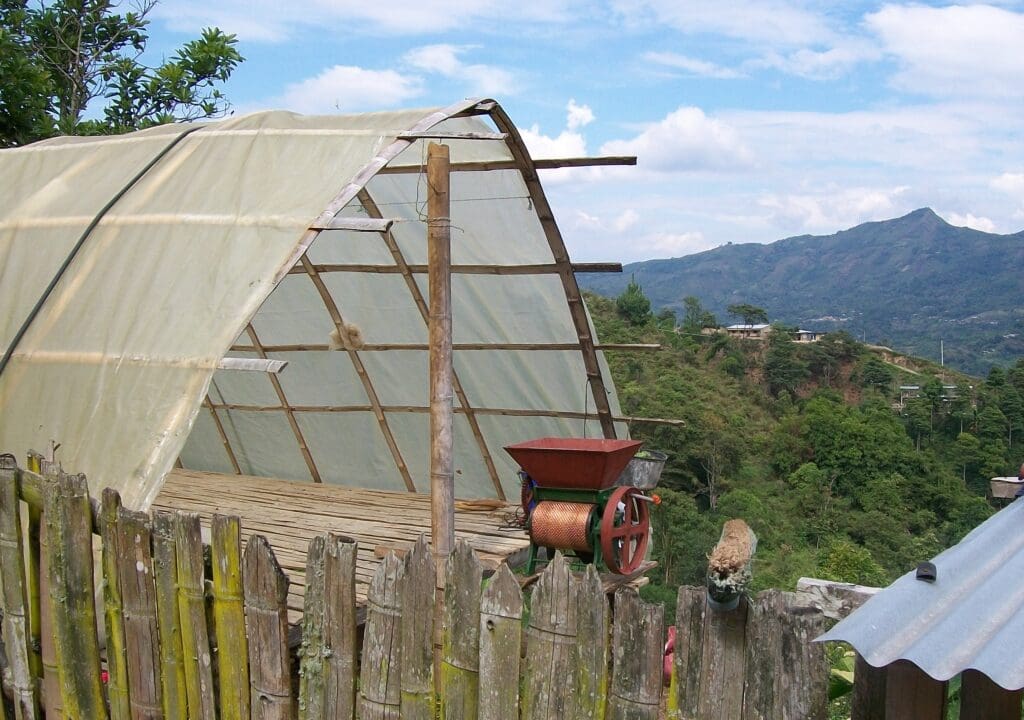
x,y
722,661
229,618
138,605
459,347
550,682
50,694
195,637
460,664
266,614
911,695
786,674
313,649
835,599
67,515
462,269
538,164
355,224
982,699
172,659
417,637
638,634
441,135
868,702
14,595
592,647
501,630
340,638
252,365
685,686
379,688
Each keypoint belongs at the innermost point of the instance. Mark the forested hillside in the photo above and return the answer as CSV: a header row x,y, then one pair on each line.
x,y
911,283
810,444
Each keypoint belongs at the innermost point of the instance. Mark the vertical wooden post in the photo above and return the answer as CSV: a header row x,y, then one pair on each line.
x,y
460,666
639,627
380,690
982,699
501,632
229,617
417,676
442,479
172,658
340,633
592,621
911,695
266,614
868,701
195,637
117,684
312,651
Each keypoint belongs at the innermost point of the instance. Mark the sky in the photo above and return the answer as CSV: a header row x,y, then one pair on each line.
x,y
751,120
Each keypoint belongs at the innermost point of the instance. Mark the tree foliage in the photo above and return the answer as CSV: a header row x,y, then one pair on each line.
x,y
750,314
75,67
632,305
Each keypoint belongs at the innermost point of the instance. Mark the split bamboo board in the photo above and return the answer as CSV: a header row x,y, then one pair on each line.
x,y
290,513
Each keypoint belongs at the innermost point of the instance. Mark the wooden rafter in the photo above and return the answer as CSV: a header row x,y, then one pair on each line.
x,y
383,347
364,376
537,269
424,409
292,422
539,164
371,208
209,404
557,245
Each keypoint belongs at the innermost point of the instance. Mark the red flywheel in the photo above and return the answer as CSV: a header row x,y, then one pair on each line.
x,y
625,530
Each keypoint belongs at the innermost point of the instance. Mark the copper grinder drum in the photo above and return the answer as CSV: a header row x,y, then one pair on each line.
x,y
562,525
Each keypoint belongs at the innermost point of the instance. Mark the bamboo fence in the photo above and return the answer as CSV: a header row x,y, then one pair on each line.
x,y
190,631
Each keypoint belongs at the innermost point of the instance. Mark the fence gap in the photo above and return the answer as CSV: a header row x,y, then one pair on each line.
x,y
266,613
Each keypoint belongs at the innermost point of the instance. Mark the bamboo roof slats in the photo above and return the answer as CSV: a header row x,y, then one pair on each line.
x,y
289,514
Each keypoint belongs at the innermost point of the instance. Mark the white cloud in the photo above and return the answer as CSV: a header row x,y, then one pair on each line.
x,y
692,66
685,140
1010,183
273,20
833,209
971,221
347,88
578,115
775,22
819,65
673,244
953,51
628,219
443,59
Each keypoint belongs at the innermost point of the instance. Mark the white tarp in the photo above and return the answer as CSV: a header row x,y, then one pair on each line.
x,y
123,353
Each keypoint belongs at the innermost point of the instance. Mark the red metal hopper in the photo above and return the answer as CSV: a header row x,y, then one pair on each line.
x,y
574,463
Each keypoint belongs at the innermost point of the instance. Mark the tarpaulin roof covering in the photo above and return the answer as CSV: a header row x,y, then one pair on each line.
x,y
970,618
185,244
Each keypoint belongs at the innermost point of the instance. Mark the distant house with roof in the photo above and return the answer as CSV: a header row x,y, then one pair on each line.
x,y
806,336
749,332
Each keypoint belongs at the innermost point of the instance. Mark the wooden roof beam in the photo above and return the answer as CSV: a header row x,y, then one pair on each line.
x,y
536,269
538,164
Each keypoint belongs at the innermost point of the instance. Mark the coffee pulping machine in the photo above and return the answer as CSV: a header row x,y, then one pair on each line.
x,y
578,499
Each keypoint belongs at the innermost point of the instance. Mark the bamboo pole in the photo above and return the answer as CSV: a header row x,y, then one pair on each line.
x,y
442,482
229,618
117,685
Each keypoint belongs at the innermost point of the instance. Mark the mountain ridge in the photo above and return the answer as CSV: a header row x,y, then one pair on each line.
x,y
913,283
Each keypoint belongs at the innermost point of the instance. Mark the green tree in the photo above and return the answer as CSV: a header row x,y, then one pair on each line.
x,y
783,368
875,373
695,316
750,314
75,54
632,305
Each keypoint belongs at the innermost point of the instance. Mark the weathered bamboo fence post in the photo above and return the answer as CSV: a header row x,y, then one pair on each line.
x,y
592,621
439,277
379,679
501,630
684,691
16,633
172,659
786,674
340,639
417,676
35,573
639,629
550,683
117,668
195,637
312,650
460,664
68,518
266,612
39,601
138,598
229,618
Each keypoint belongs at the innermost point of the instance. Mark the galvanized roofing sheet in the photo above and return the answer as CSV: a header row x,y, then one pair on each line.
x,y
971,617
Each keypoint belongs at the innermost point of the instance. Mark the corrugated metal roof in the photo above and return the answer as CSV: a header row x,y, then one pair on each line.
x,y
971,617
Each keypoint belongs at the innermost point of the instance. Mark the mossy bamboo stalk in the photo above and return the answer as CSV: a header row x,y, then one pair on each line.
x,y
15,622
68,518
229,617
117,684
195,637
312,651
172,664
460,665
